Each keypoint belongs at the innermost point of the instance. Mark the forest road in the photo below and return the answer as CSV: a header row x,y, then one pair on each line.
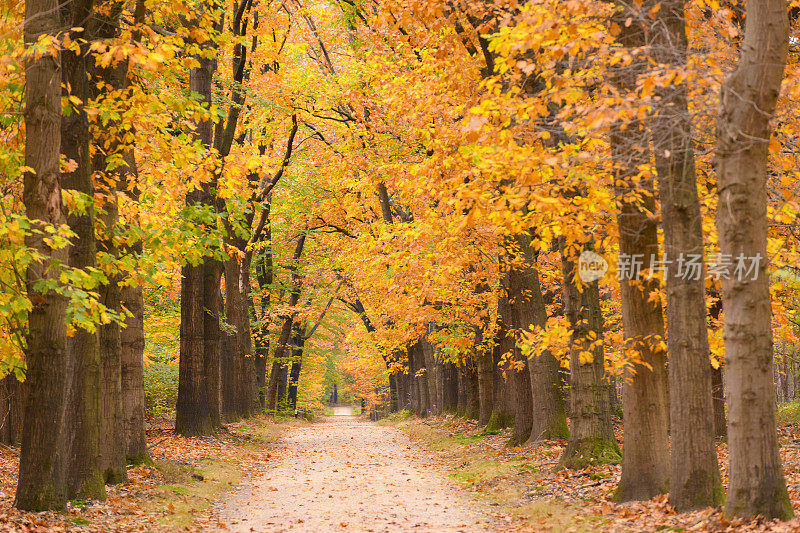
x,y
347,474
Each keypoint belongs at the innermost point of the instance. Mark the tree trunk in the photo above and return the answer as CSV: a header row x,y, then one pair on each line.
x,y
749,96
237,377
132,335
450,373
485,375
513,306
429,376
192,414
112,433
132,357
41,482
591,439
112,442
12,409
718,397
283,377
645,408
468,391
83,416
548,415
298,345
198,408
502,381
694,471
420,383
275,373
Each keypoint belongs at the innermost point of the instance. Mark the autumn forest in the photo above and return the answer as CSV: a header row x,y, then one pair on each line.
x,y
564,230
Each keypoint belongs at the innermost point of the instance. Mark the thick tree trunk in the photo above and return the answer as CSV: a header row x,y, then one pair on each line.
x,y
450,373
429,376
83,415
283,378
468,401
548,415
694,471
461,405
298,344
512,307
591,439
212,304
420,384
645,452
393,392
485,375
199,398
502,379
749,97
132,357
192,414
12,409
41,482
238,376
112,440
227,372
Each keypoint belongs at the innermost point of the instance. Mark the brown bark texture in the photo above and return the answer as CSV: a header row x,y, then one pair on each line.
x,y
749,97
41,483
694,470
591,438
645,453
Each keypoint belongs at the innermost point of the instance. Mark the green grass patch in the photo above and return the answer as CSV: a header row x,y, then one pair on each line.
x,y
789,413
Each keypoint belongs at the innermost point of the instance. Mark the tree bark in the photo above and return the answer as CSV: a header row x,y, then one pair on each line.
x,y
591,439
749,97
549,417
429,376
694,468
502,380
485,375
83,413
112,433
718,397
41,482
645,407
132,335
132,357
420,384
298,344
12,409
198,408
514,306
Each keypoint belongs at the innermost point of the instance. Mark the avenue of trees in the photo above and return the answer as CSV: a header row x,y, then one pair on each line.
x,y
520,205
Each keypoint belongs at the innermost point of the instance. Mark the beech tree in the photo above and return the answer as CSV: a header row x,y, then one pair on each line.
x,y
41,482
645,455
749,97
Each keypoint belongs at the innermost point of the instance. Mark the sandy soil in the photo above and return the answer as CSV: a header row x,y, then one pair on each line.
x,y
346,474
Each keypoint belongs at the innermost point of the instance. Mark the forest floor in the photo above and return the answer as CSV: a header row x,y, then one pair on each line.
x,y
174,493
347,474
523,484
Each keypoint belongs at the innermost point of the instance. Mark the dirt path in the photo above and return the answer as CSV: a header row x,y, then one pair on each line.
x,y
346,474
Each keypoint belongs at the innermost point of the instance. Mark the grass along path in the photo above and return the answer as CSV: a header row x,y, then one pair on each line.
x,y
521,481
